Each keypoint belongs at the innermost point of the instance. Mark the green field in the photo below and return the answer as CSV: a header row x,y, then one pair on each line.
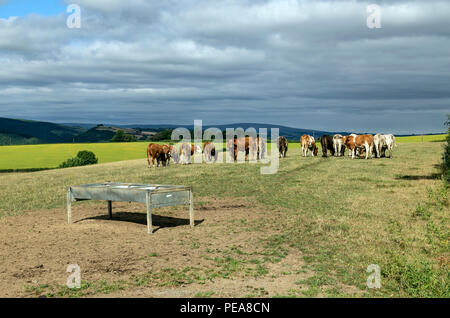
x,y
312,229
51,155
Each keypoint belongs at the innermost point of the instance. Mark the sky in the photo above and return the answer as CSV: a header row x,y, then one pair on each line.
x,y
304,64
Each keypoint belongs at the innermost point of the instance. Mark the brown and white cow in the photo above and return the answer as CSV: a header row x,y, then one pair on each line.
x,y
209,151
282,145
308,143
245,144
159,152
261,147
187,151
359,142
349,142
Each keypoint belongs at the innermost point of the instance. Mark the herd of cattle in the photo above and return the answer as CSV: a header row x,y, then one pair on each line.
x,y
336,145
356,145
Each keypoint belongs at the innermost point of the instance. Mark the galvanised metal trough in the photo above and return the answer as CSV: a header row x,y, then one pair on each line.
x,y
153,195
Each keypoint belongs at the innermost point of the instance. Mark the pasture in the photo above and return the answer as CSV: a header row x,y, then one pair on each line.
x,y
309,230
51,155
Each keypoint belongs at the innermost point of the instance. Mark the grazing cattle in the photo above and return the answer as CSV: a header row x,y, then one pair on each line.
x,y
379,141
349,142
390,143
247,144
366,142
327,144
308,143
383,142
339,146
209,150
159,152
186,151
261,147
174,154
282,145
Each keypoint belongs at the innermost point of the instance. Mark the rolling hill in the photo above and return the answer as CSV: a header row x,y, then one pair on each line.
x,y
18,131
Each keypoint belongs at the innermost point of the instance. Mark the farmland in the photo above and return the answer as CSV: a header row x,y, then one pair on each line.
x,y
51,155
309,230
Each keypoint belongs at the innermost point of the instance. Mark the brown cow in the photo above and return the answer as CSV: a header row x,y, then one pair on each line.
x,y
159,152
359,142
282,144
209,150
308,143
327,144
247,144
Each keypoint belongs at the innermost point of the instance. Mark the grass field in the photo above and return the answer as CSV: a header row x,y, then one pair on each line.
x,y
51,155
311,230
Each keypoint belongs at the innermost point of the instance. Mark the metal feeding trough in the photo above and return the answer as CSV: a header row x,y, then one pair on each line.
x,y
153,195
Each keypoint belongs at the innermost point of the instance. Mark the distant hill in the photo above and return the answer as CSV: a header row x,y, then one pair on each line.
x,y
22,132
18,131
101,133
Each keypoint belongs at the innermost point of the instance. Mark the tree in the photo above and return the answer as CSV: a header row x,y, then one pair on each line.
x,y
121,136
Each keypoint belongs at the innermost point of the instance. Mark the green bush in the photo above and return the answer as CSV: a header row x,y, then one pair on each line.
x,y
83,158
446,166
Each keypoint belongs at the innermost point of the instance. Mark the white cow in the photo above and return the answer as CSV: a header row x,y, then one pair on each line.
x,y
390,143
383,142
338,143
379,141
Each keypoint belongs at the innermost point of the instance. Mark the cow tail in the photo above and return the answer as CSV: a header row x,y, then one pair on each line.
x,y
148,155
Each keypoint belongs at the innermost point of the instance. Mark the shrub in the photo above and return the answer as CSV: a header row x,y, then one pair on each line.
x,y
446,165
83,158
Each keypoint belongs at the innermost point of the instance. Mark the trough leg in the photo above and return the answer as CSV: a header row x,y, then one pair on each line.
x,y
191,209
69,206
110,209
149,214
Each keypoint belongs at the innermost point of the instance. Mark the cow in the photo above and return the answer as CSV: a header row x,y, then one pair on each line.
x,y
247,144
366,142
327,144
261,147
174,154
349,142
282,145
209,150
338,145
159,152
308,143
187,151
390,143
379,141
383,142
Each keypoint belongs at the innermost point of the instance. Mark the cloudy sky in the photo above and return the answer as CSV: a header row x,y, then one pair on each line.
x,y
306,64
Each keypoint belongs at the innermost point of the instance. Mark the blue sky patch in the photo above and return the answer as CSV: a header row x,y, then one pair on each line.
x,y
22,8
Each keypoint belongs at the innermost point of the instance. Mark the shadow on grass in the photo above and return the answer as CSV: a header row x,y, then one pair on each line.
x,y
141,218
434,176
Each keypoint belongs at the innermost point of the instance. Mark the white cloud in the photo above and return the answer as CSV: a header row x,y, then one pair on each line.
x,y
279,60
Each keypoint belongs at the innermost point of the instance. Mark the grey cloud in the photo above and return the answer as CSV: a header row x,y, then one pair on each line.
x,y
311,64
